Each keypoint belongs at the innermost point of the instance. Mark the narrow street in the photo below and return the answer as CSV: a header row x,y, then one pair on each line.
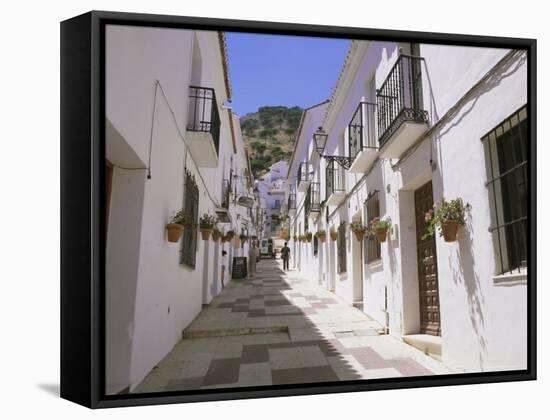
x,y
279,328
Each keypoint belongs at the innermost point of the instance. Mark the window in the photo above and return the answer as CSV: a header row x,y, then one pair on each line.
x,y
372,210
315,245
342,248
191,206
506,162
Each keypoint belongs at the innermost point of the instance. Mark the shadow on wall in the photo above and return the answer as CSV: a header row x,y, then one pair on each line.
x,y
462,263
517,60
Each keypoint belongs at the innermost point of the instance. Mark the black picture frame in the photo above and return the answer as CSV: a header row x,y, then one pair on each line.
x,y
83,218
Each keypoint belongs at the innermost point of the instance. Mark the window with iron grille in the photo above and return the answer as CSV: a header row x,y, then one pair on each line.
x,y
188,249
506,163
342,248
372,245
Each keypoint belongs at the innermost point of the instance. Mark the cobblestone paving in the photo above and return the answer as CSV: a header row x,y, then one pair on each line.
x,y
279,328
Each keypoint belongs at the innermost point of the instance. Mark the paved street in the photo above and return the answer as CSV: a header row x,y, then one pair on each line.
x,y
279,328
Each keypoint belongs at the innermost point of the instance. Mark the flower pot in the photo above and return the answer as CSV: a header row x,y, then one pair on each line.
x,y
224,239
205,233
381,234
333,235
174,232
215,236
450,229
322,238
359,235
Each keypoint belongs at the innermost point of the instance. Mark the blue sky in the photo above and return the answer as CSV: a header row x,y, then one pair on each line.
x,y
282,70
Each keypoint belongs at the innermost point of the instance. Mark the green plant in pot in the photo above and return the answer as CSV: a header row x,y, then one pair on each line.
x,y
321,235
359,229
207,223
243,237
176,225
380,228
309,236
446,216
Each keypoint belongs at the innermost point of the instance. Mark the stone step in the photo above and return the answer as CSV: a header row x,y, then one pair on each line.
x,y
428,344
233,331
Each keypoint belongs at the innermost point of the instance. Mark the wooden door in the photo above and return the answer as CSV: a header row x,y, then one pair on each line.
x,y
427,265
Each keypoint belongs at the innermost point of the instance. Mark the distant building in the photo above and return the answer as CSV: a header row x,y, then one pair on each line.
x,y
271,188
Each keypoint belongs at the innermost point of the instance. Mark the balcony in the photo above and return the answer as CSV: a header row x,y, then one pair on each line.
x,y
203,126
303,177
401,119
363,145
312,202
291,204
335,183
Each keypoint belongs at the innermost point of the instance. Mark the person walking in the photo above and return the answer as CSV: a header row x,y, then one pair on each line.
x,y
285,255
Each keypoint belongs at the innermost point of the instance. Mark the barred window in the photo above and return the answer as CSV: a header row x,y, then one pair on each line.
x,y
372,210
342,248
506,162
191,207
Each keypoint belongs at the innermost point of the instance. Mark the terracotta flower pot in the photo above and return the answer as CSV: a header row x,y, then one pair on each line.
x,y
323,238
215,236
359,235
450,229
381,234
205,233
174,232
224,239
333,235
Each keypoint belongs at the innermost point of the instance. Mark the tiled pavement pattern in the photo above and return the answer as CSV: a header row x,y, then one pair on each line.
x,y
279,328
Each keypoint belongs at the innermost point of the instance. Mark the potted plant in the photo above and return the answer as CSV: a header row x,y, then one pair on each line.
x,y
380,228
359,229
446,216
176,226
321,235
302,238
308,236
216,234
243,237
206,225
295,237
333,234
230,234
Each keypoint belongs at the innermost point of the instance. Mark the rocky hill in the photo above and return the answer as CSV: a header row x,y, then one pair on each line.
x,y
269,135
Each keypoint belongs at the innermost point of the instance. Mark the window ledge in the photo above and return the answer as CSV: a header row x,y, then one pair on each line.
x,y
375,265
510,279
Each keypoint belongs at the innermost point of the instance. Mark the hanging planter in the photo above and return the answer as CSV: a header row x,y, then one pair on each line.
x,y
216,234
243,238
207,224
450,230
359,230
224,239
333,235
321,235
309,236
446,216
380,227
174,231
381,234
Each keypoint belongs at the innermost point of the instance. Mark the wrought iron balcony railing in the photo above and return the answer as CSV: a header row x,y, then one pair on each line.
x,y
362,129
313,198
335,176
399,99
302,172
226,193
203,113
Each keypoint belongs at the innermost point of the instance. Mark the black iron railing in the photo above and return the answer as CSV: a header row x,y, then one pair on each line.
x,y
302,172
292,201
313,198
203,113
400,97
335,175
226,193
362,129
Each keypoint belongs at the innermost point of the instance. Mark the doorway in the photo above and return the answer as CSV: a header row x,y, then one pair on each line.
x,y
428,284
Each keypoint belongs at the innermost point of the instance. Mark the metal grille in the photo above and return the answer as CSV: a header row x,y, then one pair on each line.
x,y
506,161
203,113
342,268
361,129
372,248
191,206
292,201
399,99
313,198
226,193
335,176
302,172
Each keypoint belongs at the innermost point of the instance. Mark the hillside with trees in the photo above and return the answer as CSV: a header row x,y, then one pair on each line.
x,y
269,135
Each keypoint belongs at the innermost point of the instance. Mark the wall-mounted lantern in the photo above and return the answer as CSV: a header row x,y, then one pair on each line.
x,y
320,138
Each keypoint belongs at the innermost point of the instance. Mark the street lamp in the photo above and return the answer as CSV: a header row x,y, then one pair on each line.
x,y
320,138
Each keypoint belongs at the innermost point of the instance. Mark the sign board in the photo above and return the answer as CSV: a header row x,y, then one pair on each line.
x,y
239,268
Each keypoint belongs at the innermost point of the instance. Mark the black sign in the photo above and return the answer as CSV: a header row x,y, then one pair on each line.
x,y
239,268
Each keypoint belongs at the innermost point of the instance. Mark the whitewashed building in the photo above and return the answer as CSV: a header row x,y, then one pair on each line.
x,y
406,125
271,188
172,142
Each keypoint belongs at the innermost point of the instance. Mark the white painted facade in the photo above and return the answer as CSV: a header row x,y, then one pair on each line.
x,y
150,296
271,188
466,92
